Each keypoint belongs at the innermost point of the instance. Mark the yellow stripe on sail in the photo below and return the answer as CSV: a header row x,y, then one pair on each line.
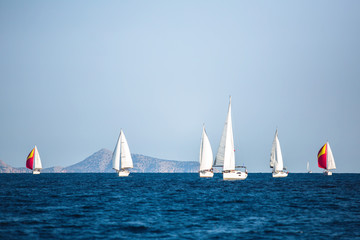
x,y
31,154
322,152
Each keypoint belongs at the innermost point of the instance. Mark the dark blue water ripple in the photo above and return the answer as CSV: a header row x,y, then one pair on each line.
x,y
173,206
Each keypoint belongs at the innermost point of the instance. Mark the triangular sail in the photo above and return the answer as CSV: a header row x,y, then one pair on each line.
x,y
330,162
125,155
272,154
226,155
219,160
276,160
206,155
30,159
279,165
308,166
322,157
116,155
37,160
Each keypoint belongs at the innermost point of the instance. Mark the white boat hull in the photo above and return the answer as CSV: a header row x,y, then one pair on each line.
x,y
327,173
36,171
206,174
235,175
123,173
279,174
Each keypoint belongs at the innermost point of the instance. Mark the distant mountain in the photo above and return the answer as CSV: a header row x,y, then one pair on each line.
x,y
5,168
101,162
97,162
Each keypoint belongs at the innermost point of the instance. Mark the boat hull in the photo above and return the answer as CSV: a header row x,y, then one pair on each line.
x,y
206,174
36,171
123,173
235,175
279,174
327,173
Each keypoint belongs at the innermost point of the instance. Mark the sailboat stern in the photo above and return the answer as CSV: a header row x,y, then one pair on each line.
x,y
206,174
123,173
234,175
36,171
280,174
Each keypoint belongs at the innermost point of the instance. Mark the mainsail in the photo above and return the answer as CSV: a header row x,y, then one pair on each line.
x,y
279,164
272,154
206,155
226,152
126,160
276,160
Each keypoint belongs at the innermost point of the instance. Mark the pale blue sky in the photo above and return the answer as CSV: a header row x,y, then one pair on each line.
x,y
74,72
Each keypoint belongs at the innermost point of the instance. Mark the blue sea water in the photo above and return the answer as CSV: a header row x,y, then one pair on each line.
x,y
179,206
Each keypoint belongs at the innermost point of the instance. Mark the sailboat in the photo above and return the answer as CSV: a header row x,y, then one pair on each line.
x,y
33,161
326,159
276,160
121,158
225,156
308,167
206,156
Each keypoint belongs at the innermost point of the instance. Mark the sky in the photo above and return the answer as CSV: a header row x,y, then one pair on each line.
x,y
73,73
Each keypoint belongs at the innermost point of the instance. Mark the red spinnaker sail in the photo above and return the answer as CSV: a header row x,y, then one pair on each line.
x,y
30,160
322,157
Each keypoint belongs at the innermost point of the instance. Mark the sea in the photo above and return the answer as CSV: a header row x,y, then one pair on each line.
x,y
179,206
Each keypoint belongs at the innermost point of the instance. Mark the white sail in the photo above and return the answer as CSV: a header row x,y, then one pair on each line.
x,y
226,156
116,155
206,155
121,157
330,162
272,155
125,155
308,166
37,160
276,161
219,160
279,165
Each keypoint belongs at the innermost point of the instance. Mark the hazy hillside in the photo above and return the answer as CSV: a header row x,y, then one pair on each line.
x,y
100,161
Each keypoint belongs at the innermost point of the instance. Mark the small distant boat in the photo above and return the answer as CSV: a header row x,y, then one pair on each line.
x,y
33,161
121,158
276,160
308,167
206,156
326,159
226,153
